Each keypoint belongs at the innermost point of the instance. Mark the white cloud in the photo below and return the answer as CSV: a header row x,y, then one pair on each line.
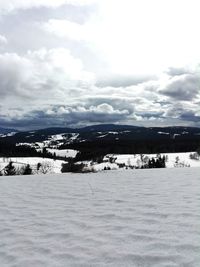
x,y
101,109
46,76
10,5
139,37
65,28
3,40
145,36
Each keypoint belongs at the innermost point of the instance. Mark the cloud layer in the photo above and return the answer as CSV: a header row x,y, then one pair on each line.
x,y
73,62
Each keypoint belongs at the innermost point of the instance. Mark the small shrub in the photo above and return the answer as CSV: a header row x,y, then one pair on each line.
x,y
121,165
46,167
194,156
107,168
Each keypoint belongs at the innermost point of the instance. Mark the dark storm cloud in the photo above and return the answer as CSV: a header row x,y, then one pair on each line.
x,y
175,111
183,114
90,117
184,87
70,116
190,116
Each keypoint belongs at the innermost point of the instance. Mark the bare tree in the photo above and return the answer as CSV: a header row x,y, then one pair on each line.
x,y
46,167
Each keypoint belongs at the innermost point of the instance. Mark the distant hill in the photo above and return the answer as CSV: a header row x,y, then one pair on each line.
x,y
111,138
106,127
6,131
104,132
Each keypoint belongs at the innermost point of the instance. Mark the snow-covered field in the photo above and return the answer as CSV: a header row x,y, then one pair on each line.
x,y
139,218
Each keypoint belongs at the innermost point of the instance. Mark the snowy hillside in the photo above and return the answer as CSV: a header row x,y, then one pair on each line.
x,y
183,159
110,161
173,160
148,218
49,165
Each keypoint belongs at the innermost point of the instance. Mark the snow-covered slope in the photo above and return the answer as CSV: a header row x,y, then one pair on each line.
x,y
182,158
133,218
52,166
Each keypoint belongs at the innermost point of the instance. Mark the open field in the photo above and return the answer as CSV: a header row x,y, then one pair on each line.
x,y
131,218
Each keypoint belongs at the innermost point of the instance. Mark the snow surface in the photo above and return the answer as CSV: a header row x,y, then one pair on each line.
x,y
163,133
139,218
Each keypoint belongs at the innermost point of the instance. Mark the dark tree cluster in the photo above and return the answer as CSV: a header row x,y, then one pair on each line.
x,y
159,162
98,148
10,150
198,150
72,166
27,170
10,170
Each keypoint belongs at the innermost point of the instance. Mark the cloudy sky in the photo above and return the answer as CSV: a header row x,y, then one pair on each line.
x,y
81,62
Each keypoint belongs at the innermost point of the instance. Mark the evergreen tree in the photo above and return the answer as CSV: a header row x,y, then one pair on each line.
x,y
27,170
10,169
38,166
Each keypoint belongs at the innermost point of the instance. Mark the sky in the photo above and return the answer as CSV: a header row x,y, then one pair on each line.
x,y
71,63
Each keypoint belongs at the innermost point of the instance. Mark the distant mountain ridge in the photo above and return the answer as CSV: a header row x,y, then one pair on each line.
x,y
97,140
7,130
108,132
95,128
